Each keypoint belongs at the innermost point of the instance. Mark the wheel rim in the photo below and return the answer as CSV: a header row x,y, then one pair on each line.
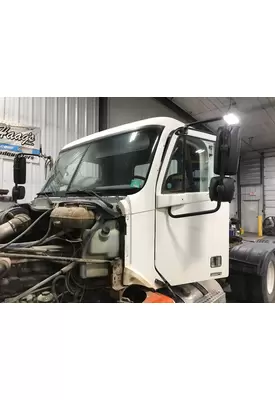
x,y
270,277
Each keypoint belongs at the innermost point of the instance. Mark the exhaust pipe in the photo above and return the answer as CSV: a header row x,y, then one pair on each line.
x,y
17,224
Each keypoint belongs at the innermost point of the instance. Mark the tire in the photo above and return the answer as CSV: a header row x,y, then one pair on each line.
x,y
254,289
269,226
252,272
261,289
265,241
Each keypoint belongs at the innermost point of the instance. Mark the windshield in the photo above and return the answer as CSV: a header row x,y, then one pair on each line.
x,y
118,163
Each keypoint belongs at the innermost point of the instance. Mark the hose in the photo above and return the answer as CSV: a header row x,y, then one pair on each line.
x,y
63,270
34,243
38,242
56,279
56,236
4,214
26,231
54,258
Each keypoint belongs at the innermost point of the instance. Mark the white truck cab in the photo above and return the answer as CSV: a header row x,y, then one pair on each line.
x,y
160,177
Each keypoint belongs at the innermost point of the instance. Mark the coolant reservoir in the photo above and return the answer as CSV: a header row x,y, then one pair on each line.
x,y
104,245
72,217
105,241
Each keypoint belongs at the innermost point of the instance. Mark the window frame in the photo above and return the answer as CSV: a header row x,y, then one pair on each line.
x,y
184,139
86,145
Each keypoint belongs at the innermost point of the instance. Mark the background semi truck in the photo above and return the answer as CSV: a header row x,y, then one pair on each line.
x,y
137,213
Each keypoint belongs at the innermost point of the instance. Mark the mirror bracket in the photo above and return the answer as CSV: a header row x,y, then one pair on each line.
x,y
194,214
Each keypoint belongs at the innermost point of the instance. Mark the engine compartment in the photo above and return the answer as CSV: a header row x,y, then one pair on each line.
x,y
71,251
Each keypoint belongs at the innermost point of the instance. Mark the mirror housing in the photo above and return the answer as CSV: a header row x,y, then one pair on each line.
x,y
222,190
19,170
18,193
227,151
226,164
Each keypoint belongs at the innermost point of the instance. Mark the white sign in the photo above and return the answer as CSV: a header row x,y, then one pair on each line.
x,y
16,139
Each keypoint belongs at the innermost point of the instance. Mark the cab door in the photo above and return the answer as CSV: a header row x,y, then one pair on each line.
x,y
187,248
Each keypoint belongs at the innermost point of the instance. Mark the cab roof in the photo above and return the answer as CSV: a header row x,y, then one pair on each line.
x,y
160,121
170,123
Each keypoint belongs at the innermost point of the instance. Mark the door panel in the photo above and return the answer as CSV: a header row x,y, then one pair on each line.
x,y
250,212
184,246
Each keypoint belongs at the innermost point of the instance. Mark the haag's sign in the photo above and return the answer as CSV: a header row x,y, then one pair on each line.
x,y
16,139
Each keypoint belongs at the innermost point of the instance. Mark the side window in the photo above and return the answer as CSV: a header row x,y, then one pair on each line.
x,y
190,167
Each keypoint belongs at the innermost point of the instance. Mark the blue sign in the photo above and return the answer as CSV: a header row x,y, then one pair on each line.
x,y
10,147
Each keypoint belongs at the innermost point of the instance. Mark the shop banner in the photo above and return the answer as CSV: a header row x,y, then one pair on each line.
x,y
16,139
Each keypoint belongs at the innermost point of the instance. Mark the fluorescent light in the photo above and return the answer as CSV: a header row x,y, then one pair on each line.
x,y
199,151
231,119
133,136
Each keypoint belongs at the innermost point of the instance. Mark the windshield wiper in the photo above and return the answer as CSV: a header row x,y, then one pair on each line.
x,y
45,193
90,192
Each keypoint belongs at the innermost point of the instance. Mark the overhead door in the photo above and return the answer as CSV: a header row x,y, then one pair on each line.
x,y
269,186
251,189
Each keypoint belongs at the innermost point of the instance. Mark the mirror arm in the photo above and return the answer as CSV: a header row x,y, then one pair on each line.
x,y
184,129
224,155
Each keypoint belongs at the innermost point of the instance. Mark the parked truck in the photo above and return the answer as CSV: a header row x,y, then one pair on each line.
x,y
137,213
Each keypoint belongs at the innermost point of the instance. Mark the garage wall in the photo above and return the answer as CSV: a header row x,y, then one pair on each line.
x,y
122,110
61,121
257,190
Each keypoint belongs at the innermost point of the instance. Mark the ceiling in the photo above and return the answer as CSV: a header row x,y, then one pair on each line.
x,y
257,116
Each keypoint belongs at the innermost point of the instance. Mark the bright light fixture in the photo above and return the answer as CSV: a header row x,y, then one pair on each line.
x,y
231,119
133,136
199,151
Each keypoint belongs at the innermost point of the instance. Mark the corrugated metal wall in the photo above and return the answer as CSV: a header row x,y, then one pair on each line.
x,y
61,120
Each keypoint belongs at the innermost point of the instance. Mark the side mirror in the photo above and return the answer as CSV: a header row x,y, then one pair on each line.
x,y
227,151
226,163
19,170
18,193
222,189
